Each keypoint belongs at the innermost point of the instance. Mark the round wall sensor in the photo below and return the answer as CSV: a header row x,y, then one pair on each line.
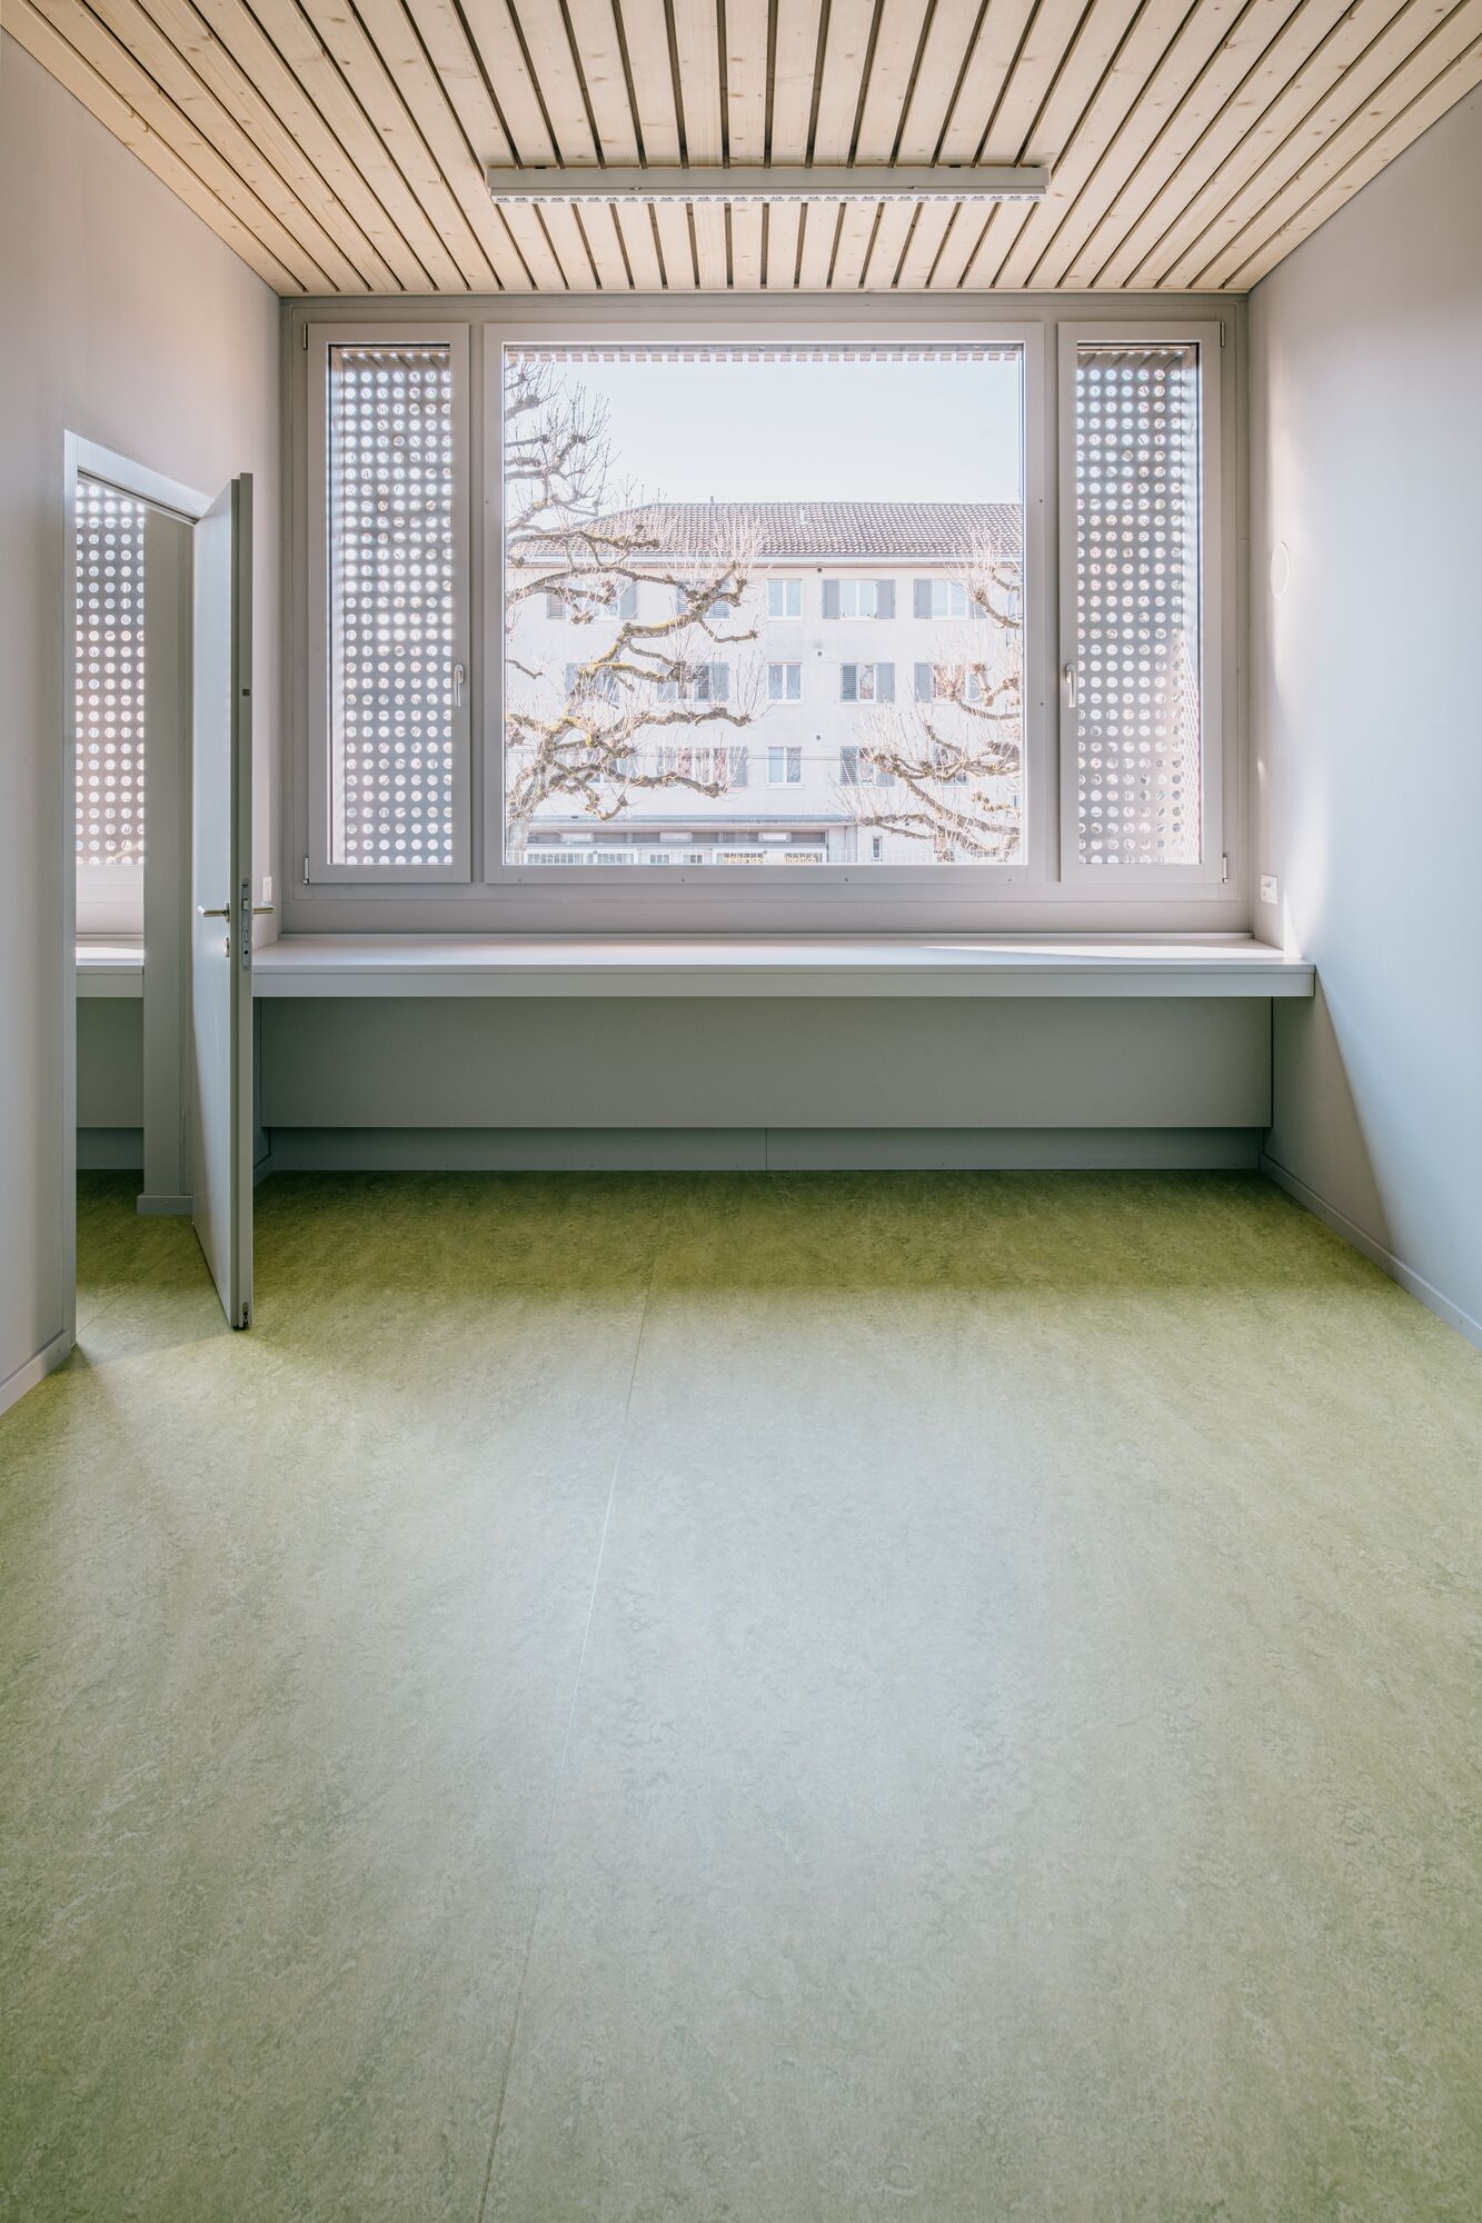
x,y
1281,569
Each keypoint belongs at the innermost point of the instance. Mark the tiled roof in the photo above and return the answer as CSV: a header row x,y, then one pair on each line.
x,y
782,531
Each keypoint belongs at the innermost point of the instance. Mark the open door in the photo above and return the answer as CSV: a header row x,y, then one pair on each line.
x,y
221,897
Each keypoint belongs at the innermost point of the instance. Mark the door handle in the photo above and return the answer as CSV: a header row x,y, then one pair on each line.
x,y
1071,690
223,913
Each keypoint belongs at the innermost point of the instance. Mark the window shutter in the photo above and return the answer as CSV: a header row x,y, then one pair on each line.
x,y
110,676
923,673
1138,737
885,683
720,683
830,598
571,672
849,683
849,767
740,762
885,598
628,600
921,595
794,767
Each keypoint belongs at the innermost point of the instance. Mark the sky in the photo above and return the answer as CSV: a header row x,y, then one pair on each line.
x,y
826,432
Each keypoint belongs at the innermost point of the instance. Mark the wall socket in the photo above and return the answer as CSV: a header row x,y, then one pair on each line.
x,y
1268,888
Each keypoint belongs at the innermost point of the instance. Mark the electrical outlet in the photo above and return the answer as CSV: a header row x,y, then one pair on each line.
x,y
1268,888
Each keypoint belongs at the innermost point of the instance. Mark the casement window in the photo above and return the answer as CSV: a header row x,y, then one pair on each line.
x,y
945,598
1048,730
859,598
867,683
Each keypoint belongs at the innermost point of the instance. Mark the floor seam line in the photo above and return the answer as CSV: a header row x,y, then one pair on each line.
x,y
558,1786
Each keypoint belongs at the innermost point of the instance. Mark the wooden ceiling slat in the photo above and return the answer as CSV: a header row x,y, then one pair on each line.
x,y
440,28
949,37
676,246
1166,41
243,99
820,230
1453,84
400,47
162,62
746,247
99,96
635,222
1000,33
783,218
1339,131
888,245
110,57
711,253
959,246
746,83
646,29
1311,54
697,46
600,61
500,57
845,49
599,229
896,47
306,56
543,28
855,234
569,243
1272,164
1229,35
933,222
793,72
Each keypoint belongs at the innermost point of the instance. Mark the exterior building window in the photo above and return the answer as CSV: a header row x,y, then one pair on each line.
x,y
784,598
784,767
698,683
784,683
859,598
867,683
945,598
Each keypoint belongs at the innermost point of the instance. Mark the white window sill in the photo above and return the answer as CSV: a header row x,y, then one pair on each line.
x,y
334,965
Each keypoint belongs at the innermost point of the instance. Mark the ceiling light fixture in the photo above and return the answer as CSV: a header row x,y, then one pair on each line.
x,y
868,182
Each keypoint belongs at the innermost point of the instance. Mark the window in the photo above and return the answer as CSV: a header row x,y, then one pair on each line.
x,y
859,598
626,646
945,598
395,770
867,683
1138,682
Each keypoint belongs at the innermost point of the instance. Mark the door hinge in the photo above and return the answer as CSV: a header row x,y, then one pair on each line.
x,y
303,337
1222,332
1224,869
306,872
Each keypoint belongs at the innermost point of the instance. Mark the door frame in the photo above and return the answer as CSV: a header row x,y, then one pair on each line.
x,y
88,459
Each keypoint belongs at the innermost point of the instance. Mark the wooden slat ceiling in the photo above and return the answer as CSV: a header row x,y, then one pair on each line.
x,y
339,145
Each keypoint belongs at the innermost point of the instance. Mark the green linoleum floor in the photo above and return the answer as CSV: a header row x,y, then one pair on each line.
x,y
775,1699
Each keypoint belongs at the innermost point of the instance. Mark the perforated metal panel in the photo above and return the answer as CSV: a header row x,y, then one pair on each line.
x,y
391,774
1137,604
110,676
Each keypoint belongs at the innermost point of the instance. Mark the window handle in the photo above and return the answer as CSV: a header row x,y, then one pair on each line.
x,y
223,913
1071,690
459,675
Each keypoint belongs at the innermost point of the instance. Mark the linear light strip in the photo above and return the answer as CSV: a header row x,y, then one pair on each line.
x,y
875,182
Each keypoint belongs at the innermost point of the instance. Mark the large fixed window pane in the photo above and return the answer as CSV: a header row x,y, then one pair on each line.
x,y
110,677
393,682
688,530
1137,681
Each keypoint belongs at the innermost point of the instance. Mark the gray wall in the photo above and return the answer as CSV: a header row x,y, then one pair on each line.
x,y
126,321
1366,449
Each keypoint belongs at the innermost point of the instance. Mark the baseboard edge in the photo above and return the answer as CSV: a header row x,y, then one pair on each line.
x,y
1377,1253
34,1370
